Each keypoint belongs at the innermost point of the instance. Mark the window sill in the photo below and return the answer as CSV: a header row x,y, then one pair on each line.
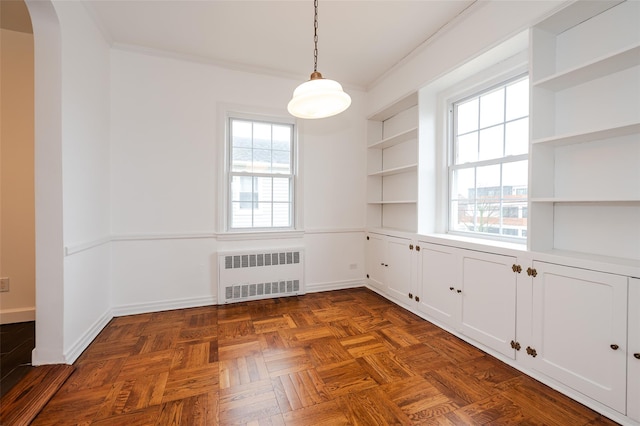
x,y
474,243
259,235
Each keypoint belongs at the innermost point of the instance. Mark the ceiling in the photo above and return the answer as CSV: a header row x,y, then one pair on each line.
x,y
358,41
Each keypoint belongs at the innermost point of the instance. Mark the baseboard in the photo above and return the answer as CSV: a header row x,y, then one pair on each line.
x,y
85,340
333,285
11,316
164,305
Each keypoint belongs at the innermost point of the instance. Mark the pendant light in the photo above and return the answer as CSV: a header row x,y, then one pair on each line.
x,y
319,97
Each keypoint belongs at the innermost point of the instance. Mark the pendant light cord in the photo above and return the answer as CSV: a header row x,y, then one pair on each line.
x,y
315,36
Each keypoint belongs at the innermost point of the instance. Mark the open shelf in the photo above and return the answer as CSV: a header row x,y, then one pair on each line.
x,y
396,170
589,136
594,200
603,66
396,139
393,202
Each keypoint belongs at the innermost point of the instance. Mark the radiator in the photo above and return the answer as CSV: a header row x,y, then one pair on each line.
x,y
260,274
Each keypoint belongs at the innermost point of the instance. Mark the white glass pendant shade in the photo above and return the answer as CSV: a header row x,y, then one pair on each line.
x,y
318,98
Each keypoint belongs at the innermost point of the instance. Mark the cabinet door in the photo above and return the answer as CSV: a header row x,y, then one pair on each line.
x,y
438,282
375,260
398,267
488,298
633,372
580,330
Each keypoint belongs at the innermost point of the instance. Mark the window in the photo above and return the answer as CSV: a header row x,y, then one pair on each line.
x,y
488,171
261,174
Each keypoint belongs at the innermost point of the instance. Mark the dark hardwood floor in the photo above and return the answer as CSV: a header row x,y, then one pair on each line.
x,y
346,357
16,344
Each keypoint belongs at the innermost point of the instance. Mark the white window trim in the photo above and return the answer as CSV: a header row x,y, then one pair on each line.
x,y
225,112
466,89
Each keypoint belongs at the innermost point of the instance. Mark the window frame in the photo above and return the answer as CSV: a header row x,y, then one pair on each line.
x,y
229,113
470,93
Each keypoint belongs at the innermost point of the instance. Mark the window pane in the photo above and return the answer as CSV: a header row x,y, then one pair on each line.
x,y
467,117
467,148
262,135
241,133
518,99
282,138
515,176
517,137
492,108
240,218
241,160
281,189
464,184
282,214
488,199
262,215
491,143
463,192
281,162
264,189
240,184
261,161
488,182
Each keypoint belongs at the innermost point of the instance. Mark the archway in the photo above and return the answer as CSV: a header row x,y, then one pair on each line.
x,y
48,183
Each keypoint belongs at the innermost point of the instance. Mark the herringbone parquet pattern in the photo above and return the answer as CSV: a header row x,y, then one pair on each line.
x,y
337,358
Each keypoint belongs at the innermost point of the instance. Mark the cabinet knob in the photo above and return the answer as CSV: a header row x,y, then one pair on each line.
x,y
516,268
459,291
417,248
531,351
636,355
532,272
386,265
410,246
410,295
515,345
451,288
418,299
615,347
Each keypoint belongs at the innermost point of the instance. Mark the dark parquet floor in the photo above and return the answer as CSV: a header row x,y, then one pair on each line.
x,y
16,344
346,357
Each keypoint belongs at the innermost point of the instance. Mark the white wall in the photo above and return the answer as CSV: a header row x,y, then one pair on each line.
x,y
17,212
85,147
165,138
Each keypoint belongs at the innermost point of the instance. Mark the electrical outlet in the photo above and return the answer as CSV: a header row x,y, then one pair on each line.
x,y
4,285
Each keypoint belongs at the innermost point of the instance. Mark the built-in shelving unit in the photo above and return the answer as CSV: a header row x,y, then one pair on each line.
x,y
392,178
585,131
395,170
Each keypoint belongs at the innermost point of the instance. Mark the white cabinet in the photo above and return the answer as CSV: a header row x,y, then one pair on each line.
x,y
585,131
633,351
374,259
580,331
392,164
440,275
488,300
470,291
390,266
399,268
